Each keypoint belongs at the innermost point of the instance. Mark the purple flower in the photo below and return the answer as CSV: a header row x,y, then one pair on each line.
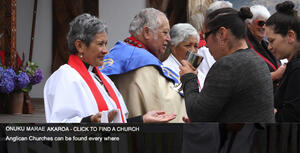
x,y
1,71
8,73
7,85
37,78
22,80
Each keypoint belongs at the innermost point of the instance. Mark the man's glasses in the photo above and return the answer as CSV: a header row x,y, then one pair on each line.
x,y
260,23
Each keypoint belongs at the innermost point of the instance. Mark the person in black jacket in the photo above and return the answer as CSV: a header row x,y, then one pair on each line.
x,y
283,33
238,87
255,39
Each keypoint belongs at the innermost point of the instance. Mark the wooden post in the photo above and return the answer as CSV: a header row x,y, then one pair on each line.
x,y
10,34
33,30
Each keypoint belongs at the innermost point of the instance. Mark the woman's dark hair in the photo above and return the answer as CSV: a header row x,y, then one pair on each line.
x,y
230,19
285,19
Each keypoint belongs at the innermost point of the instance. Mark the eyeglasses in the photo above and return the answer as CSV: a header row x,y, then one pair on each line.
x,y
260,23
206,34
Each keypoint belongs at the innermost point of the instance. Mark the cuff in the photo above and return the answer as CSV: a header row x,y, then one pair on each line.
x,y
137,119
86,119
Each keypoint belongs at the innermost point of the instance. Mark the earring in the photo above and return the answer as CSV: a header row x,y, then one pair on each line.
x,y
222,43
80,56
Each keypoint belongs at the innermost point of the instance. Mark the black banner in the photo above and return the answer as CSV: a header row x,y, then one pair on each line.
x,y
150,138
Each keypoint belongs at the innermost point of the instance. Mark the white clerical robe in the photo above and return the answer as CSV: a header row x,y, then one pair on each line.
x,y
68,98
174,64
207,62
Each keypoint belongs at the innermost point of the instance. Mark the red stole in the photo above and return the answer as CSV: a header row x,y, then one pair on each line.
x,y
76,63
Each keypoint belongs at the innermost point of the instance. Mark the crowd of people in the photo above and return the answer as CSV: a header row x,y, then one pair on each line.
x,y
240,79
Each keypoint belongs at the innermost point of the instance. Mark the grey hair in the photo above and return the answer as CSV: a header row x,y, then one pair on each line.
x,y
146,17
218,5
197,21
181,32
258,11
84,27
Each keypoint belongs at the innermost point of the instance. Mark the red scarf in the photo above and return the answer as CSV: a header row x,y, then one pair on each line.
x,y
76,63
265,59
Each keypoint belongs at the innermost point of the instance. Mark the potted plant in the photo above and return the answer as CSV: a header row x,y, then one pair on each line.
x,y
15,82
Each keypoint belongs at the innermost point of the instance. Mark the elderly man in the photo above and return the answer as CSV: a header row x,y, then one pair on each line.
x,y
255,40
134,67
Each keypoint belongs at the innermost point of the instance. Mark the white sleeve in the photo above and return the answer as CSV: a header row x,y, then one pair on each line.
x,y
66,99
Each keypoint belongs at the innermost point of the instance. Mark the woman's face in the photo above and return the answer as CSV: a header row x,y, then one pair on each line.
x,y
258,28
278,44
213,43
95,52
190,44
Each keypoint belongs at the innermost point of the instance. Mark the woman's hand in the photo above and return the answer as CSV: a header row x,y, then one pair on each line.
x,y
186,120
186,68
158,117
276,75
97,117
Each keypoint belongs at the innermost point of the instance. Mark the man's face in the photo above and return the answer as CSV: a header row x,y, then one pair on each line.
x,y
158,41
258,28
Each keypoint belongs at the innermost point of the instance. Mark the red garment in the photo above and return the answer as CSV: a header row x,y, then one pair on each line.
x,y
275,67
77,64
2,54
202,42
2,58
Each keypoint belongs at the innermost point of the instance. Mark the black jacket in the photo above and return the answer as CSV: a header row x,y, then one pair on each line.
x,y
287,97
262,49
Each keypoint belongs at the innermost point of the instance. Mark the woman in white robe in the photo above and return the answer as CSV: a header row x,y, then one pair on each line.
x,y
78,91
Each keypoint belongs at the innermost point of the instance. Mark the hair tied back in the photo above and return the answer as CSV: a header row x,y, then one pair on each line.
x,y
287,8
245,13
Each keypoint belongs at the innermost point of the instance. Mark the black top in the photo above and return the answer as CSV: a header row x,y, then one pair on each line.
x,y
237,88
287,97
137,119
263,50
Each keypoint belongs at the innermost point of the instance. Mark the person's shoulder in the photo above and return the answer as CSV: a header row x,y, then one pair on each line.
x,y
150,70
294,64
124,52
168,62
122,47
243,56
239,58
65,73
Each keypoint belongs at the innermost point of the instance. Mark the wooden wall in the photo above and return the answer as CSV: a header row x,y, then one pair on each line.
x,y
8,28
174,9
64,11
